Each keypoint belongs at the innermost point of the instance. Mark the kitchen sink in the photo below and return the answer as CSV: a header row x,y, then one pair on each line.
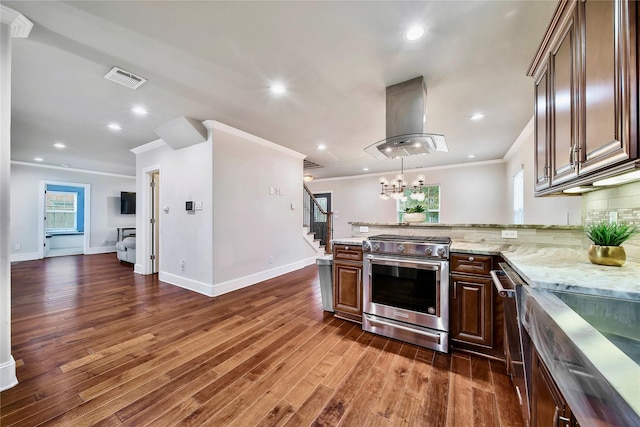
x,y
616,319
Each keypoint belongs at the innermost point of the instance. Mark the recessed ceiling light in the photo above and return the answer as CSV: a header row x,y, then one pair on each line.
x,y
476,116
365,169
38,159
65,165
471,156
322,147
278,88
114,126
414,33
141,111
388,149
59,145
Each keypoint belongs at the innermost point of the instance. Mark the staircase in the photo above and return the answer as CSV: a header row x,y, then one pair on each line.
x,y
310,238
317,219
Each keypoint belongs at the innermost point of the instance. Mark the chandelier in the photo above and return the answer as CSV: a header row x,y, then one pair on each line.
x,y
395,189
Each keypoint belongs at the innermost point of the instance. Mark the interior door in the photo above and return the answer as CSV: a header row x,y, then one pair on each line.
x,y
318,220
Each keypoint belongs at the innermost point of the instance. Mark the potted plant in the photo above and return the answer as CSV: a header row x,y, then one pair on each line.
x,y
607,238
414,214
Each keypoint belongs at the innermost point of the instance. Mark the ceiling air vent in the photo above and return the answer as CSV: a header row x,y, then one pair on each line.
x,y
308,164
125,78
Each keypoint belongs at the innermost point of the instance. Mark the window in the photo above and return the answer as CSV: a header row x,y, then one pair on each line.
x,y
431,203
61,211
518,197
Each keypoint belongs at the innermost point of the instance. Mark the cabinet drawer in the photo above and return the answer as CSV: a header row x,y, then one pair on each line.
x,y
471,264
347,252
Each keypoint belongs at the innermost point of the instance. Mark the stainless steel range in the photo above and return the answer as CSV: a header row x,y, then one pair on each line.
x,y
406,289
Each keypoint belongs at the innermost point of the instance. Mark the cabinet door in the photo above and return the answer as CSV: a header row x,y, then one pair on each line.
x,y
609,91
471,310
541,129
548,407
347,295
564,102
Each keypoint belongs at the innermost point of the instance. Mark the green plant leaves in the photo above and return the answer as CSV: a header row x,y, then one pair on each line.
x,y
604,233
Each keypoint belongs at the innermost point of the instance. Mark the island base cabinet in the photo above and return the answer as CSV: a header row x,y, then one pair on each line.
x,y
347,282
548,406
347,295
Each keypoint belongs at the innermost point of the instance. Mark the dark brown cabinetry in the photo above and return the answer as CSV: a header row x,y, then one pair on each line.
x,y
585,94
347,282
476,315
548,406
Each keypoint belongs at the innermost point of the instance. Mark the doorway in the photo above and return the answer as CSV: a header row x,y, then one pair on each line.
x,y
64,209
155,221
318,220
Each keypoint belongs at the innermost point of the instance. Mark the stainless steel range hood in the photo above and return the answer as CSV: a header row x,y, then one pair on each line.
x,y
406,123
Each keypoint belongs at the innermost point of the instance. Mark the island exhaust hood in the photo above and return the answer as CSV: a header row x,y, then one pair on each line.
x,y
406,124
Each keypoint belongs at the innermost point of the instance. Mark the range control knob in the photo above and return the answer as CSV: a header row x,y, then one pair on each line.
x,y
376,246
441,252
400,248
428,250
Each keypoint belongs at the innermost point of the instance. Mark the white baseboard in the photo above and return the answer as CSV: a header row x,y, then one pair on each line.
x,y
27,256
190,284
101,250
252,279
8,377
138,268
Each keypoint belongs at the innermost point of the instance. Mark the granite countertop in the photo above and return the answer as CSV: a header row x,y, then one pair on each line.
x,y
349,240
440,225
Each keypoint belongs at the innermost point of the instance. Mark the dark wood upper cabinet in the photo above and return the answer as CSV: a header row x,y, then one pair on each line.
x,y
586,94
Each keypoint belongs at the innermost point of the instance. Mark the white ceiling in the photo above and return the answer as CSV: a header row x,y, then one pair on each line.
x,y
216,60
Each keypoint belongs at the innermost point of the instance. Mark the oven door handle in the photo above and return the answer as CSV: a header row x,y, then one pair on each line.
x,y
407,262
433,337
507,293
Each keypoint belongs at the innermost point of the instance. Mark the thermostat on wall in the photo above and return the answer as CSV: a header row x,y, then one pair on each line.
x,y
189,206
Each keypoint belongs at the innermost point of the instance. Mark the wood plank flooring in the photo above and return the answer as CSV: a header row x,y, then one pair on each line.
x,y
96,344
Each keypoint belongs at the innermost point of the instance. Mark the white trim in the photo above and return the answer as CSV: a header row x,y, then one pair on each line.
x,y
520,140
149,146
20,25
101,250
87,213
37,165
144,264
183,282
8,377
212,124
137,268
252,279
25,256
416,170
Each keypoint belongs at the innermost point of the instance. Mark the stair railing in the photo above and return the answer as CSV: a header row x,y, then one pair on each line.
x,y
317,219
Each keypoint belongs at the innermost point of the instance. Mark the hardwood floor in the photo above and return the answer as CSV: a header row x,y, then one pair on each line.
x,y
96,344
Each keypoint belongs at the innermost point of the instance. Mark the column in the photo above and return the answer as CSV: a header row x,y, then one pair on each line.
x,y
12,24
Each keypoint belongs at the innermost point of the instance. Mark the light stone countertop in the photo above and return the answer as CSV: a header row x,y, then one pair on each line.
x,y
553,268
441,225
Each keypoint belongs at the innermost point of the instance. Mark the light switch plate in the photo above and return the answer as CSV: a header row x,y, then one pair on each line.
x,y
199,205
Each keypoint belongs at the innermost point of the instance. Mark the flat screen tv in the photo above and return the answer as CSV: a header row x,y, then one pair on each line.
x,y
127,203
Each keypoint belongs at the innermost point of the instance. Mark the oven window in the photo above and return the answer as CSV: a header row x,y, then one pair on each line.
x,y
407,288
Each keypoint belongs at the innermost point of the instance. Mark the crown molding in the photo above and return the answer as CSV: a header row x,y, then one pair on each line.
x,y
212,124
149,146
20,25
62,168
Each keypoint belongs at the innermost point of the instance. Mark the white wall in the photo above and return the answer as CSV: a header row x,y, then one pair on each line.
x,y
104,203
251,225
229,244
469,194
550,210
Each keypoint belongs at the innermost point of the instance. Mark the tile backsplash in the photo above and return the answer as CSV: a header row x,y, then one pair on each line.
x,y
624,200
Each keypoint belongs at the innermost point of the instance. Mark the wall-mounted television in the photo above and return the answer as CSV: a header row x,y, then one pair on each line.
x,y
127,203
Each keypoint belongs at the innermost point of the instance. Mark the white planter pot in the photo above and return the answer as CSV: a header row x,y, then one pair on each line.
x,y
414,217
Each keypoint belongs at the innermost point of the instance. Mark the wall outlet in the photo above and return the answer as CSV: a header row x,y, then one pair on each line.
x,y
182,264
104,242
17,247
613,216
271,259
364,229
509,234
271,189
